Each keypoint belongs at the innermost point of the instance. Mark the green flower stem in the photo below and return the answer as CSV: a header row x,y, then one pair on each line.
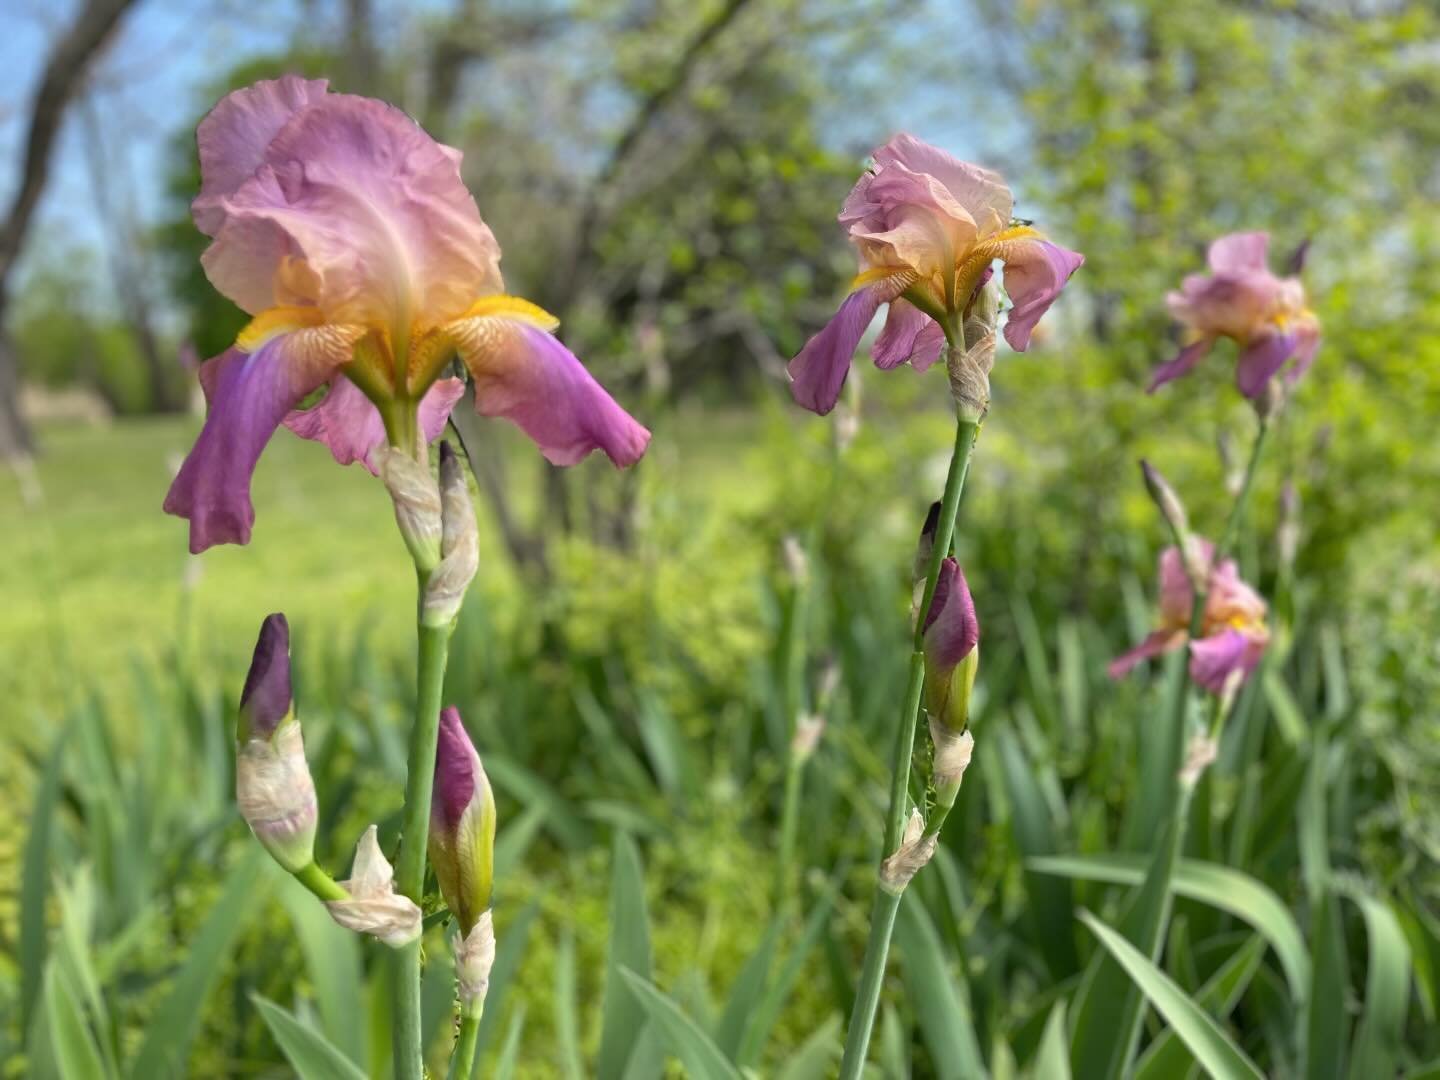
x,y
462,1062
410,871
320,883
882,916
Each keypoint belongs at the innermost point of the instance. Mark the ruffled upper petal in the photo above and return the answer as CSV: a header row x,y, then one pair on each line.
x,y
817,374
249,396
355,209
233,138
1239,252
1035,272
348,423
980,191
524,374
1234,303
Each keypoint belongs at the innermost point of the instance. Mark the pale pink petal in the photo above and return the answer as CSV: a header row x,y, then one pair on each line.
x,y
1239,252
525,375
1035,272
1177,599
1234,303
818,372
981,192
1157,643
357,210
1183,363
233,137
249,396
910,219
348,423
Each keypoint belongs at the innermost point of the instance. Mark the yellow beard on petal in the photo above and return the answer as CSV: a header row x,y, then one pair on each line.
x,y
272,322
512,307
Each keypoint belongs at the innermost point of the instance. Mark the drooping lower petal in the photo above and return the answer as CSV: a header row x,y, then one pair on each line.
x,y
1035,272
904,325
348,423
817,374
1307,344
1213,658
526,375
1155,644
1183,363
1261,360
250,395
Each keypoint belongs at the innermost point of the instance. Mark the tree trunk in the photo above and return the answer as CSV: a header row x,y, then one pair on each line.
x,y
64,71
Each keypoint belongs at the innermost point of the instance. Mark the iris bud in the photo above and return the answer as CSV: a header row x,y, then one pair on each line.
x,y
273,787
462,825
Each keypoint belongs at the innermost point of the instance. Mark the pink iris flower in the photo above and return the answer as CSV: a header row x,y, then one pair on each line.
x,y
1233,634
1241,299
349,236
927,227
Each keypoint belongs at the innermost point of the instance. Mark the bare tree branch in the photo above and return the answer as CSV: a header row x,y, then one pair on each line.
x,y
64,73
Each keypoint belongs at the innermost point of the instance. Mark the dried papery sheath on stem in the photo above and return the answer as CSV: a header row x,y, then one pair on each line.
x,y
915,850
374,907
474,958
417,505
273,787
459,544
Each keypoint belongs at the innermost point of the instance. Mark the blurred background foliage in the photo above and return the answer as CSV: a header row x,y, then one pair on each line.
x,y
664,176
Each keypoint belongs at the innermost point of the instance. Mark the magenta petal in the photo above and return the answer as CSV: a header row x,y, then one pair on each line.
x,y
1212,659
527,376
234,135
348,423
1189,356
266,699
1035,272
457,773
817,374
249,394
1239,252
1155,644
951,628
1261,360
1307,344
896,342
928,346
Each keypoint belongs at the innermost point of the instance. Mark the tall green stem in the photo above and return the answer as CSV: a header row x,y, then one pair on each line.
x,y
410,870
462,1063
882,915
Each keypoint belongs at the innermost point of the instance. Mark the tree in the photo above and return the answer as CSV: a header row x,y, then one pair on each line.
x,y
63,75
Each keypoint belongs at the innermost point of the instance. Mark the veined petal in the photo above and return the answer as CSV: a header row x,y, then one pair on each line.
x,y
817,374
249,396
273,322
234,135
908,336
524,374
356,210
348,423
979,190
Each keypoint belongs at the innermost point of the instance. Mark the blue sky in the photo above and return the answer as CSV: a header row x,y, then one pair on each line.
x,y
155,77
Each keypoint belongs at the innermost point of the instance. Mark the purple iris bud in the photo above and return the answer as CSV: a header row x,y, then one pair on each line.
x,y
266,700
462,824
951,641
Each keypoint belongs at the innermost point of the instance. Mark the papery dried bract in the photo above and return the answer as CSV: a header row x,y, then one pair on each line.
x,y
374,907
